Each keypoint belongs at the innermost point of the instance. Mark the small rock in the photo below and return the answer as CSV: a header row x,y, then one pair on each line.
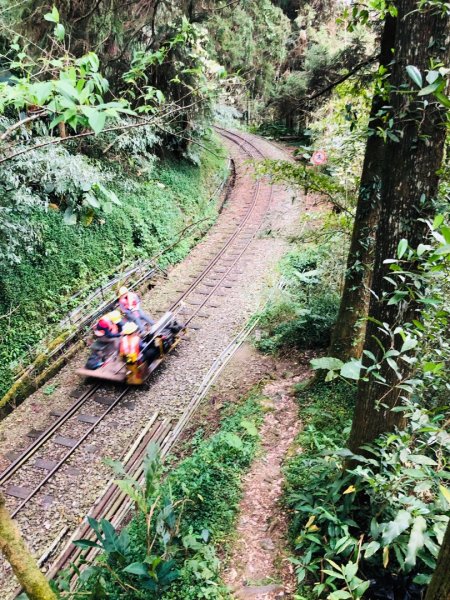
x,y
267,544
258,590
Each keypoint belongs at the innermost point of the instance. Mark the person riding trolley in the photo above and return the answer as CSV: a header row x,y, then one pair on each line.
x,y
132,345
129,303
107,332
110,325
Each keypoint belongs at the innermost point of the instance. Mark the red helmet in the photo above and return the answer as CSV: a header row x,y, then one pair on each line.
x,y
103,324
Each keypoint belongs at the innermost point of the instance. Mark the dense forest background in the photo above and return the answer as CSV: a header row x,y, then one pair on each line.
x,y
106,113
148,77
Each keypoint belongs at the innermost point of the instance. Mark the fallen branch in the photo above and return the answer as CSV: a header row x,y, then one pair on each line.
x,y
11,129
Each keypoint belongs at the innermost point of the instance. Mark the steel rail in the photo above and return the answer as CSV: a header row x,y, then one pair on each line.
x,y
7,473
68,454
242,252
31,451
198,280
219,255
70,552
113,501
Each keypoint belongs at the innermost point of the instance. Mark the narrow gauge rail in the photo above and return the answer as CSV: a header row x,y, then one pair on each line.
x,y
249,224
114,505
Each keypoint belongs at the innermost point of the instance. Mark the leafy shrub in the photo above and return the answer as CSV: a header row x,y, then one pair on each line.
x,y
271,130
291,85
49,179
305,328
152,569
303,315
225,455
211,480
137,144
378,523
181,520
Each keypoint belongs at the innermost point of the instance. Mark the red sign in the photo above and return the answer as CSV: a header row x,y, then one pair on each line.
x,y
319,157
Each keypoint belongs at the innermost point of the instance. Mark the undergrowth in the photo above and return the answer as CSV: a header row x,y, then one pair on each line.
x,y
305,310
365,525
154,207
169,550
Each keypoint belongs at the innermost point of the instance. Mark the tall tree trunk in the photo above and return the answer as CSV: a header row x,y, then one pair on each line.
x,y
23,564
439,588
348,334
409,183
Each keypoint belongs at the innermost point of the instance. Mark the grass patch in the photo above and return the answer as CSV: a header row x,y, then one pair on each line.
x,y
304,312
326,411
195,512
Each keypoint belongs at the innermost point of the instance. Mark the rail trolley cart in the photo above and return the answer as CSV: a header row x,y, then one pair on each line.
x,y
160,340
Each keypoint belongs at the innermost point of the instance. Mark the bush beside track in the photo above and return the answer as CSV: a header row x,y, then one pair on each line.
x,y
301,317
154,208
205,490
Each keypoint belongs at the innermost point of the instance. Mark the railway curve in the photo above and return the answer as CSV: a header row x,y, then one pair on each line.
x,y
52,473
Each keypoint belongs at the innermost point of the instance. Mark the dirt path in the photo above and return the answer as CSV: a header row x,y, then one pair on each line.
x,y
257,566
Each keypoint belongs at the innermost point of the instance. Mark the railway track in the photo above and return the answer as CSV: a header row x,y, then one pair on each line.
x,y
32,477
114,505
225,261
29,474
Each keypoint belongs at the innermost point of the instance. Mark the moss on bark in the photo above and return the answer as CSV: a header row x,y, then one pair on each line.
x,y
22,562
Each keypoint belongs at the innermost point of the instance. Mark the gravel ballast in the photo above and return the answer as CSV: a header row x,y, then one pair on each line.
x,y
71,492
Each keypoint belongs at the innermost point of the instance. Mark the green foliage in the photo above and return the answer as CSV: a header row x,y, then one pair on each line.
x,y
169,548
324,181
381,517
249,39
387,513
156,569
54,179
304,313
51,95
313,65
211,482
68,90
215,490
418,275
300,327
64,87
181,63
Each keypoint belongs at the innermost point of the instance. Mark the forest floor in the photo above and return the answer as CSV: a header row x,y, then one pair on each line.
x,y
75,488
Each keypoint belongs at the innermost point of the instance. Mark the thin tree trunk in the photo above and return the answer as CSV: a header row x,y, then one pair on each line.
x,y
439,588
348,334
62,130
22,562
409,184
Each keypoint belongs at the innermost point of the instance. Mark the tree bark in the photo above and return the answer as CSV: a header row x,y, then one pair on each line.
x,y
348,334
409,184
22,562
439,588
